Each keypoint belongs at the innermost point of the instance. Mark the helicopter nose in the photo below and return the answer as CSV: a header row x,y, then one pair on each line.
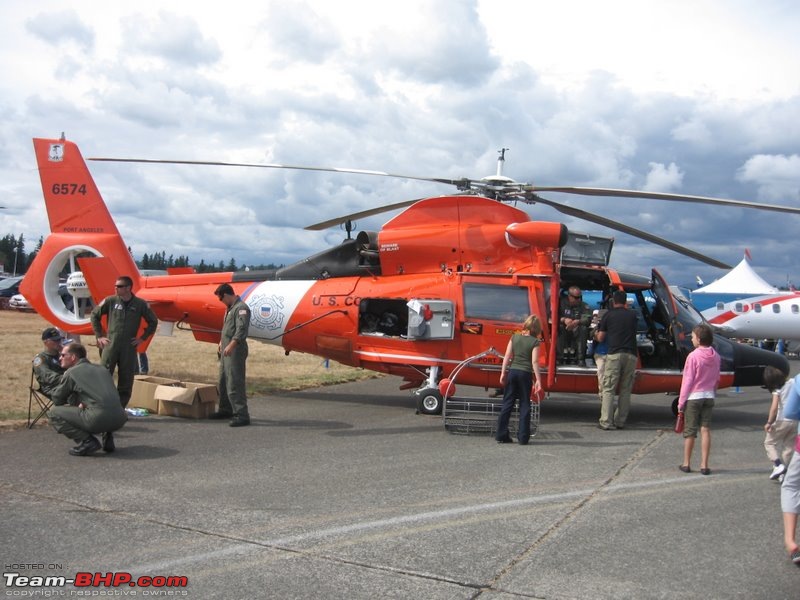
x,y
749,363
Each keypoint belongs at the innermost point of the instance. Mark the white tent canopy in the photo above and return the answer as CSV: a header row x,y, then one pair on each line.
x,y
742,279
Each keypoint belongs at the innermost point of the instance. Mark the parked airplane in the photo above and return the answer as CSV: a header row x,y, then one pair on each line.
x,y
742,305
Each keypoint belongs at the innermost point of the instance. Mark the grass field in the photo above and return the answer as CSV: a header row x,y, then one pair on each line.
x,y
178,356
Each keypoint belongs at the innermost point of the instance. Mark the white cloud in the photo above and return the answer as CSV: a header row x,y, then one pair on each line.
x,y
777,177
662,178
173,38
61,27
583,93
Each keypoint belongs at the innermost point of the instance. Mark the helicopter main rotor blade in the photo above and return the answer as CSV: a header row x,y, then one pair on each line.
x,y
610,192
649,237
456,182
359,215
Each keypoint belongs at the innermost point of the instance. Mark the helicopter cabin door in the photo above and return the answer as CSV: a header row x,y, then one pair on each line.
x,y
430,319
668,304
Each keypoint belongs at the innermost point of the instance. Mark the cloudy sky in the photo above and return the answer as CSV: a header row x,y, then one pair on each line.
x,y
688,96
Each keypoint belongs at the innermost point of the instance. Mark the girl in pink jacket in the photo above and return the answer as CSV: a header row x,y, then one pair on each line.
x,y
696,401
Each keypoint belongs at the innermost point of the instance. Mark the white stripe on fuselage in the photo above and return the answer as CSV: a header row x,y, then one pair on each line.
x,y
272,304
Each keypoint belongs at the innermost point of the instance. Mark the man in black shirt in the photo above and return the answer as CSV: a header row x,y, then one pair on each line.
x,y
618,328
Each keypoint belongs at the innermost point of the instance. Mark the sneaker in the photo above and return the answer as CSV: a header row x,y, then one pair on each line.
x,y
778,471
108,442
780,478
795,557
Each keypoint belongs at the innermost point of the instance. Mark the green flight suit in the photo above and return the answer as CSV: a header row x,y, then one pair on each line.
x,y
48,371
232,385
92,386
124,319
575,339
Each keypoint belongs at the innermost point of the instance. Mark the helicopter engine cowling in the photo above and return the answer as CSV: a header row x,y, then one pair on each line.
x,y
536,233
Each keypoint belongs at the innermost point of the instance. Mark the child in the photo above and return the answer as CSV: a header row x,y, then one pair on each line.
x,y
698,389
779,441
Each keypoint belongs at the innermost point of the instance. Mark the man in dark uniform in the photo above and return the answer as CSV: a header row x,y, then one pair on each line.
x,y
46,365
618,328
574,317
233,358
124,313
85,402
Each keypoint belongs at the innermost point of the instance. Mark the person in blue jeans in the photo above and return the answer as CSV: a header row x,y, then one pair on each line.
x,y
520,366
790,489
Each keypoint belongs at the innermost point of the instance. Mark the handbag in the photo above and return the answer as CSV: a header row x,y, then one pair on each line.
x,y
679,423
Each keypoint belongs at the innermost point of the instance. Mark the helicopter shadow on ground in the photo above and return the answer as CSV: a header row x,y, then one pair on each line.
x,y
402,400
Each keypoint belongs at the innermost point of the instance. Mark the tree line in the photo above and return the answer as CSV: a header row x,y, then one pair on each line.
x,y
16,261
160,260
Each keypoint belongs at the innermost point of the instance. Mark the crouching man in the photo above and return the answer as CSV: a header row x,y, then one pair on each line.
x,y
86,402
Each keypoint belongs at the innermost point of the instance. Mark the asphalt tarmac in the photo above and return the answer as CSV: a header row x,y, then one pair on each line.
x,y
344,492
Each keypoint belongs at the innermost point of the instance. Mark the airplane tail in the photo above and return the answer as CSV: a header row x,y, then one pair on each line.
x,y
84,253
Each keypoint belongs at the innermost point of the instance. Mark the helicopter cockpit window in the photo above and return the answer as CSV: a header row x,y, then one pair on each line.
x,y
496,302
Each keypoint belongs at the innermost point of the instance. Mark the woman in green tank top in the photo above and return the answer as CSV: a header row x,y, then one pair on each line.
x,y
520,366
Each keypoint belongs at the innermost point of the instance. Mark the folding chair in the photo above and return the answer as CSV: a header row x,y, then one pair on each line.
x,y
42,401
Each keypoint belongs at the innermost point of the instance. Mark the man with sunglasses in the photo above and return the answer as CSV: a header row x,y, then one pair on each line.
x,y
85,402
124,313
232,353
574,317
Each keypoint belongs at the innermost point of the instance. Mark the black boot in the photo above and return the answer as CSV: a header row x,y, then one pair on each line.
x,y
239,421
87,446
108,442
219,415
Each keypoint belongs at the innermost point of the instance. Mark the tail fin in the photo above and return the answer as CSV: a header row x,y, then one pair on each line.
x,y
83,236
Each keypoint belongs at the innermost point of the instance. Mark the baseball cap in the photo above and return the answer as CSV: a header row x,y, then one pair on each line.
x,y
51,333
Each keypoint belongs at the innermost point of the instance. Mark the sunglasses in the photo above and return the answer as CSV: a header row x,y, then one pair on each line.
x,y
63,354
121,286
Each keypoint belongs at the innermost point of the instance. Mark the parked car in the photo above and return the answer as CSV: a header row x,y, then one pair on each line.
x,y
10,286
18,302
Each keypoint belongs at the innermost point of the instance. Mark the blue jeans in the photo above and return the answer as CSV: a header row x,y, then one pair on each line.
x,y
518,387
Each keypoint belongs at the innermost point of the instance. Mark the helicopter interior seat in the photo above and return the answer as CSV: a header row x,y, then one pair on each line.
x,y
383,317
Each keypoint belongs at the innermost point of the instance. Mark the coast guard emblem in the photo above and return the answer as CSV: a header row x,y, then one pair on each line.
x,y
267,312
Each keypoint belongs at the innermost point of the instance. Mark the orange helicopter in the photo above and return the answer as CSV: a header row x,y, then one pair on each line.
x,y
435,291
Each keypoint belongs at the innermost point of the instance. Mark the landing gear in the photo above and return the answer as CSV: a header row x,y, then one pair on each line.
x,y
429,401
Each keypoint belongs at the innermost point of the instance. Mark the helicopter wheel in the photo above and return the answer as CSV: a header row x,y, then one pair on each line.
x,y
429,401
675,407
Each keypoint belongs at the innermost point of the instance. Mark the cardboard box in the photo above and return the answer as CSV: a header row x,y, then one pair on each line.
x,y
144,390
187,400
